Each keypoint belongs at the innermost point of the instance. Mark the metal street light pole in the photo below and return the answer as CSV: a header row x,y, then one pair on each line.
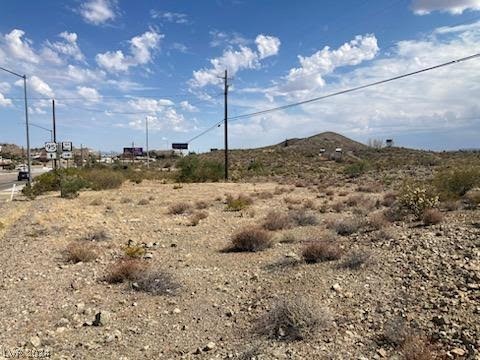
x,y
29,158
146,134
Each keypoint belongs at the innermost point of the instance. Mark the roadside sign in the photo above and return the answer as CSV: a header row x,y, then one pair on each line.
x,y
67,155
180,146
51,156
50,147
66,146
133,151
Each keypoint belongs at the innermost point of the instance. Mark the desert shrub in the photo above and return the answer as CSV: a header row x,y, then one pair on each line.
x,y
321,250
346,226
125,200
143,202
354,200
292,200
255,166
452,184
264,195
309,204
394,213
2,225
377,221
370,188
177,186
292,320
97,235
70,186
179,208
432,217
133,251
276,220
103,179
288,238
238,203
49,181
417,198
125,270
450,205
251,239
156,283
389,199
200,205
338,207
196,217
193,169
80,251
356,169
472,198
302,218
355,260
417,347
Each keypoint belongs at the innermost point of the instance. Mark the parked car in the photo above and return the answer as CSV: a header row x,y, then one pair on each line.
x,y
22,175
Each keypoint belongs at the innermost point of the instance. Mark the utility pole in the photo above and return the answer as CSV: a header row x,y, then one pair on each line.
x,y
225,79
146,134
54,132
81,155
29,157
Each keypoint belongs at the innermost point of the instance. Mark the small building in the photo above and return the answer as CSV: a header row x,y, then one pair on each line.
x,y
389,142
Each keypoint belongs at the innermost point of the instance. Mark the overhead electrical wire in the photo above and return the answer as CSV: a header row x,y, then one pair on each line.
x,y
341,92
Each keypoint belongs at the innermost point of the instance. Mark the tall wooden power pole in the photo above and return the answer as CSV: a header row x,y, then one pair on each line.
x,y
225,79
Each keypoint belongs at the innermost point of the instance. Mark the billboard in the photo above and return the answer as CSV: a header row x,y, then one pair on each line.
x,y
132,151
180,146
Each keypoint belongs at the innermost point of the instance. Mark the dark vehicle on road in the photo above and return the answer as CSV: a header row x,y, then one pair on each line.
x,y
22,175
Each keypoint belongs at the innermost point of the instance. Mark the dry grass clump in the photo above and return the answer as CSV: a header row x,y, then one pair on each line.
x,y
276,220
321,250
156,283
370,188
134,251
264,195
125,270
292,320
309,204
394,213
143,202
251,239
338,207
179,208
356,260
389,199
354,200
377,221
280,190
97,235
417,347
125,200
196,217
80,251
201,205
96,202
302,218
288,238
432,217
450,205
346,226
238,203
330,192
292,201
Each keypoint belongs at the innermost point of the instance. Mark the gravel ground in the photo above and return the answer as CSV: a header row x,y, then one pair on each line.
x,y
424,278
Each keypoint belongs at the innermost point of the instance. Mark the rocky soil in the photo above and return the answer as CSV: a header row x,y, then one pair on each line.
x,y
422,279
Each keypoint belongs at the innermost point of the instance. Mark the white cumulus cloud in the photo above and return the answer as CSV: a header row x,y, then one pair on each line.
x,y
4,101
90,94
68,47
267,45
141,51
98,12
185,105
235,60
20,47
455,7
37,85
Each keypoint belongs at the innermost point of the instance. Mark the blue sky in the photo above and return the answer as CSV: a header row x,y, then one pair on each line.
x,y
109,64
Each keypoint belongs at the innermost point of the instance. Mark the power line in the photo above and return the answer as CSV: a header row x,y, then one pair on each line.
x,y
346,91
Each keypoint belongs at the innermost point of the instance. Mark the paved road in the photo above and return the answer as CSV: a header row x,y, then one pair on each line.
x,y
7,179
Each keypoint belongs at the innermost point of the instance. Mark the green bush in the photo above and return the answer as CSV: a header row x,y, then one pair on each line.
x,y
71,185
356,169
193,169
455,183
103,179
238,203
417,198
